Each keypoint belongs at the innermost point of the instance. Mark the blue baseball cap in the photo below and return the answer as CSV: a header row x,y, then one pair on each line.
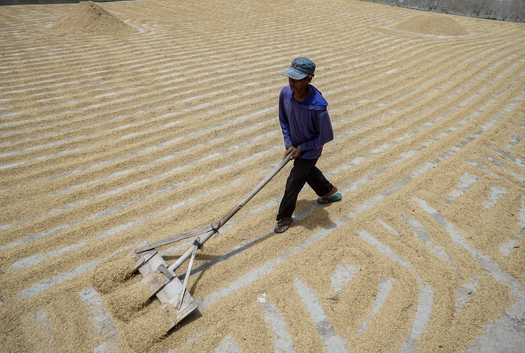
x,y
300,68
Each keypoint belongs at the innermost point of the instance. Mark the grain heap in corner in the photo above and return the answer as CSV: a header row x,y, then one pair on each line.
x,y
433,24
88,18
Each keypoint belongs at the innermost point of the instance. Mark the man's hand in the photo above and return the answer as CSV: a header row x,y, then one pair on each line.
x,y
294,156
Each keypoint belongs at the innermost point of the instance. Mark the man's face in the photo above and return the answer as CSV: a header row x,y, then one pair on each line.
x,y
299,85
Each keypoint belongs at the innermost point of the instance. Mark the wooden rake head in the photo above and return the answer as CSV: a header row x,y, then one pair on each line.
x,y
164,283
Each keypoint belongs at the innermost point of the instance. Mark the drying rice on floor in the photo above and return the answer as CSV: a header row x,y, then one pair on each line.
x,y
156,117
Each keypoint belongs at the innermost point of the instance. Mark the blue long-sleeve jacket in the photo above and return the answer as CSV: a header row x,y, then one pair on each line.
x,y
306,123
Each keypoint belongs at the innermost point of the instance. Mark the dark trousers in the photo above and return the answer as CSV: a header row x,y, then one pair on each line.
x,y
303,171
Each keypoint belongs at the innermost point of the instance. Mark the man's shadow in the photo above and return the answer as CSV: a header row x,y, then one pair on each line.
x,y
315,215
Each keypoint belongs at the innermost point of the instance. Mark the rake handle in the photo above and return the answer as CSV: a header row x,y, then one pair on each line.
x,y
234,210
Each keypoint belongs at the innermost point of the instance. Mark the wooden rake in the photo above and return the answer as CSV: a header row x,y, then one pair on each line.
x,y
161,279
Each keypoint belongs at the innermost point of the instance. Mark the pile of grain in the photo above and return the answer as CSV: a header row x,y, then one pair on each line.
x,y
433,24
109,274
146,330
88,18
123,303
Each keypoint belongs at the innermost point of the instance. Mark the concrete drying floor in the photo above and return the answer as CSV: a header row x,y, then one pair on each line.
x,y
119,134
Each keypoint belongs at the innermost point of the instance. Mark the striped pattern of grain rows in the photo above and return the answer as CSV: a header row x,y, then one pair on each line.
x,y
104,141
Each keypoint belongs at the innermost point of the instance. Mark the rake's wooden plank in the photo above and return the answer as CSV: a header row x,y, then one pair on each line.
x,y
171,294
155,271
154,282
170,290
188,305
142,257
152,264
181,236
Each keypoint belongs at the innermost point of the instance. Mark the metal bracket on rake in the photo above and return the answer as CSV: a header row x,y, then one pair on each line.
x,y
196,245
161,279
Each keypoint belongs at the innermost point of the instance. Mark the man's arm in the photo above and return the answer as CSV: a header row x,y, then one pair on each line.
x,y
326,133
285,125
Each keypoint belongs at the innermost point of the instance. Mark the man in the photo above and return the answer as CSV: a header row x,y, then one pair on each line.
x,y
306,125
